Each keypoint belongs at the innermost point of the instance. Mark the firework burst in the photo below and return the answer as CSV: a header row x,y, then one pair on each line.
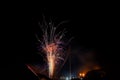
x,y
52,45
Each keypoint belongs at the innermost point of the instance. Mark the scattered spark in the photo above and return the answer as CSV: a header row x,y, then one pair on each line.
x,y
51,44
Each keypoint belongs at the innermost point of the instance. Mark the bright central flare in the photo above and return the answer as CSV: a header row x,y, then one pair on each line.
x,y
51,57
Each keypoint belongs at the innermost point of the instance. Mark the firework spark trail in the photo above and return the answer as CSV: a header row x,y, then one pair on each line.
x,y
51,44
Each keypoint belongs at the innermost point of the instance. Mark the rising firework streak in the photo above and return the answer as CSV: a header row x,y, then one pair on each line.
x,y
51,44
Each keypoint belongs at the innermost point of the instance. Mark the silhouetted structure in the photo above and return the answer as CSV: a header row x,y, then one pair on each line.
x,y
95,75
43,77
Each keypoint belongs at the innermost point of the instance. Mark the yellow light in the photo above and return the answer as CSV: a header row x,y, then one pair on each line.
x,y
82,74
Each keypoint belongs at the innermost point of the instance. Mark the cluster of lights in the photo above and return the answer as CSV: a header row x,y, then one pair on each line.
x,y
82,75
67,78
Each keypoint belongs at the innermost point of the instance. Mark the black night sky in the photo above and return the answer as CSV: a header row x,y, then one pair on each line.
x,y
94,30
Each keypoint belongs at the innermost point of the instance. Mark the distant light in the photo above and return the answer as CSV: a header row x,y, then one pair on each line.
x,y
67,78
82,74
